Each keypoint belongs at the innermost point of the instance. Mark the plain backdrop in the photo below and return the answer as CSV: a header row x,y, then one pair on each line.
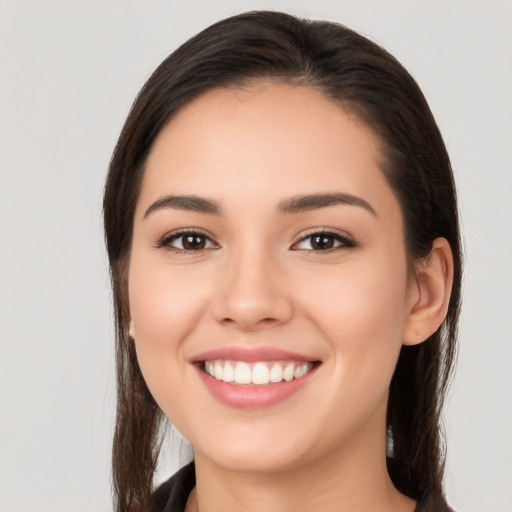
x,y
69,71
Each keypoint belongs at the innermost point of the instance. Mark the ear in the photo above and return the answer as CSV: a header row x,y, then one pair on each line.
x,y
429,293
131,330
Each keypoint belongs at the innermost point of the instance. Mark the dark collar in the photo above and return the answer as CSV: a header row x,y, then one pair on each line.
x,y
173,494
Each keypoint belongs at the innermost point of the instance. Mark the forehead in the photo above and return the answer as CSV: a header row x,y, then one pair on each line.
x,y
262,142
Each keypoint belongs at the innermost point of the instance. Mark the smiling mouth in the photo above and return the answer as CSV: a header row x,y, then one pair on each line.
x,y
254,374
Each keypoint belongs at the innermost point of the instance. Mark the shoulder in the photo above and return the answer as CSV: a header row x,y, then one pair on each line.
x,y
173,494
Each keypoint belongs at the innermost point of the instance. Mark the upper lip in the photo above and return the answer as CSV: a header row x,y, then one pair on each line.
x,y
249,355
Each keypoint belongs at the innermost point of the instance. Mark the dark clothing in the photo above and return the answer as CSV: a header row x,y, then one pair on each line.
x,y
172,495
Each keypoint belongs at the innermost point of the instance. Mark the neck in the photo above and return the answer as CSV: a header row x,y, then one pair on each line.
x,y
349,480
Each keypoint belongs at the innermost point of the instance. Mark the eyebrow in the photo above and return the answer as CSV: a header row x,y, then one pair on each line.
x,y
190,203
310,202
296,204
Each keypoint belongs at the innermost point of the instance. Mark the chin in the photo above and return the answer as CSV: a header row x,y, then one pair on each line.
x,y
255,462
255,452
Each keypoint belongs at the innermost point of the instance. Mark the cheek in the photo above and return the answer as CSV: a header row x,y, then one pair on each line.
x,y
362,313
163,305
361,298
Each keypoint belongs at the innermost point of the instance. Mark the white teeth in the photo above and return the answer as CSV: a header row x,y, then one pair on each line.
x,y
218,371
260,374
288,372
300,371
228,375
276,373
243,374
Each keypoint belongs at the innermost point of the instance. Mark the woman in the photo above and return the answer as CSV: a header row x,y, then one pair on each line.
x,y
281,224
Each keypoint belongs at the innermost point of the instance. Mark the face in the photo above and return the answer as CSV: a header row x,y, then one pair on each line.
x,y
268,282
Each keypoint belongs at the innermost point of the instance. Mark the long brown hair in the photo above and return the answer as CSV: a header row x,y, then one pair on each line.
x,y
367,81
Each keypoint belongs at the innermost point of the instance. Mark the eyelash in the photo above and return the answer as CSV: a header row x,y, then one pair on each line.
x,y
166,240
344,241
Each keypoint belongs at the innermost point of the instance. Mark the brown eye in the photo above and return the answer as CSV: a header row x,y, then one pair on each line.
x,y
323,242
193,242
186,241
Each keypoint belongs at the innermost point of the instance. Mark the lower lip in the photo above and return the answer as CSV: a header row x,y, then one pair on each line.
x,y
252,397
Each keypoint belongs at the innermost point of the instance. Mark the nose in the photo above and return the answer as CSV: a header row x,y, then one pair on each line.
x,y
252,293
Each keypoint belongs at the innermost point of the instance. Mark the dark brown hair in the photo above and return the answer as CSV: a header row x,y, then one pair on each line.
x,y
364,79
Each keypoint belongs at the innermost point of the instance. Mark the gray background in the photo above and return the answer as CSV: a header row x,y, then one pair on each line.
x,y
69,71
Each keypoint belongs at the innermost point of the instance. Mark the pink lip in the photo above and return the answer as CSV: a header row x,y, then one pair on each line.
x,y
251,397
249,355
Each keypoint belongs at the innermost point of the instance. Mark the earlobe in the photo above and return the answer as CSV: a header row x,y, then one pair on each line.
x,y
131,330
430,293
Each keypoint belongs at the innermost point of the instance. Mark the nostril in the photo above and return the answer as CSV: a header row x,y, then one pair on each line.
x,y
250,323
250,308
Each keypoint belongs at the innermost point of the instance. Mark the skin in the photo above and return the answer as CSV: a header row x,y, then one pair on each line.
x,y
259,282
